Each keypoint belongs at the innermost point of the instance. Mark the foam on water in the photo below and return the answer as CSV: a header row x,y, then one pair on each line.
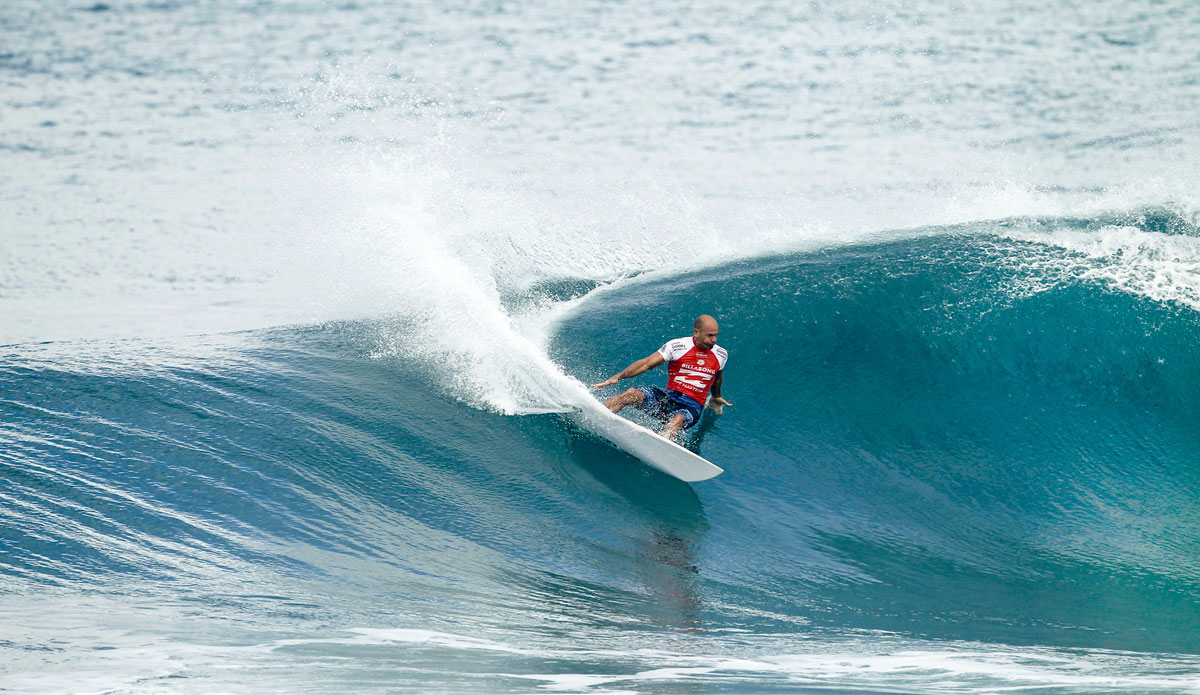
x,y
876,663
1158,265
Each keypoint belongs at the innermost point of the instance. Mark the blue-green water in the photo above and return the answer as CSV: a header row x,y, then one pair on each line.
x,y
951,482
283,287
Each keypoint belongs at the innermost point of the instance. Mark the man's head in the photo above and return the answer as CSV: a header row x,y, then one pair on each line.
x,y
704,331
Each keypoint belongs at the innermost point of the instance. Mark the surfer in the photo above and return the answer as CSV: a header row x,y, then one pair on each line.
x,y
695,366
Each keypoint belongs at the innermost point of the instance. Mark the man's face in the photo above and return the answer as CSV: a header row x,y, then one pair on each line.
x,y
706,335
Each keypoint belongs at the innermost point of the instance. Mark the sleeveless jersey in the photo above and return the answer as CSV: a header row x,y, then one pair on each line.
x,y
691,369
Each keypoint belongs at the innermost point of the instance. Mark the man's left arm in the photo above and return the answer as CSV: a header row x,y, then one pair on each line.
x,y
715,401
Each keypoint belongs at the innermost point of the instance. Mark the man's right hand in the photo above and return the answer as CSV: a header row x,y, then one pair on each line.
x,y
632,370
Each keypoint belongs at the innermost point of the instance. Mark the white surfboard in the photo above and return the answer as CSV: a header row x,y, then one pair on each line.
x,y
652,448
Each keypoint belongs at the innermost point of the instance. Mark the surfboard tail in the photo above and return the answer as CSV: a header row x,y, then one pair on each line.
x,y
650,447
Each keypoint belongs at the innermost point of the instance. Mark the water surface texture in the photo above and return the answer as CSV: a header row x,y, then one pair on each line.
x,y
287,288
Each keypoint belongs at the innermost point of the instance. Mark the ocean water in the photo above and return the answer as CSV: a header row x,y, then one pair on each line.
x,y
286,289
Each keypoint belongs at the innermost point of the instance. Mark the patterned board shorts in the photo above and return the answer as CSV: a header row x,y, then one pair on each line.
x,y
665,405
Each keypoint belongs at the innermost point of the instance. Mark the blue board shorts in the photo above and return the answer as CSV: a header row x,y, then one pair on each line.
x,y
665,405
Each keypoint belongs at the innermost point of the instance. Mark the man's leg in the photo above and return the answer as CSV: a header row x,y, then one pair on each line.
x,y
673,426
630,397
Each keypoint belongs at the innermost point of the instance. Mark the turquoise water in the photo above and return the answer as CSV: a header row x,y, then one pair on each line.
x,y
284,286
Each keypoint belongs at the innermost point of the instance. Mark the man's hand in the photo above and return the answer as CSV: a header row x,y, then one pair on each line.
x,y
717,404
607,382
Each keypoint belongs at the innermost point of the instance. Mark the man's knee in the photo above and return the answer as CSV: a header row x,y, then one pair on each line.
x,y
630,397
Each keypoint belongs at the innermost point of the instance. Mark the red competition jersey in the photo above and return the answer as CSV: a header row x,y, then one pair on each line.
x,y
690,368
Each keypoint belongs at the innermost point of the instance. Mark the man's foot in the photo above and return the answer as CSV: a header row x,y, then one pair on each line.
x,y
671,431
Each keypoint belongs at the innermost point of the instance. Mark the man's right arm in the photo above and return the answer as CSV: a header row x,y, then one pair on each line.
x,y
640,367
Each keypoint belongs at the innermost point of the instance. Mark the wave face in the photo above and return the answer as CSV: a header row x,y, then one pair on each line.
x,y
944,458
946,422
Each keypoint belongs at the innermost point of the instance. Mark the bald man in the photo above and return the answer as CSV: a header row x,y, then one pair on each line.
x,y
695,366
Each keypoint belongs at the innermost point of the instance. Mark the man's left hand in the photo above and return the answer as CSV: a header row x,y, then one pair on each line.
x,y
607,382
716,403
